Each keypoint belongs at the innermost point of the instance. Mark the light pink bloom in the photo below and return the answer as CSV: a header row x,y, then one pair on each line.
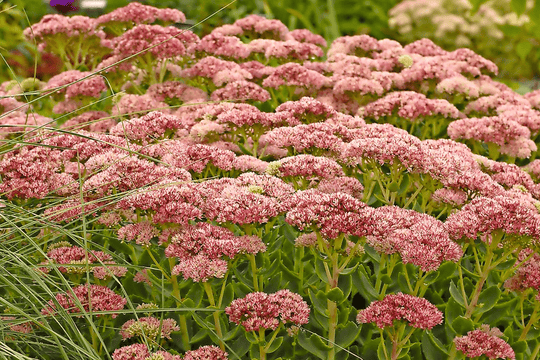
x,y
141,232
292,74
418,238
101,298
90,121
331,214
304,35
424,47
175,90
309,167
150,326
142,37
307,110
219,45
534,98
259,310
286,50
458,85
450,196
344,184
200,268
90,87
417,312
147,128
359,45
357,85
410,105
485,215
484,341
260,26
208,352
131,352
527,275
138,105
55,24
18,326
138,13
241,90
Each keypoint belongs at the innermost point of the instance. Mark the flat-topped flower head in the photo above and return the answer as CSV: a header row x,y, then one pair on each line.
x,y
137,13
101,298
486,342
416,311
208,352
131,352
259,310
149,326
256,26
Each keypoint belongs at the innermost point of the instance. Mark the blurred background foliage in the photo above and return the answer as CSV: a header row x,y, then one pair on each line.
x,y
505,31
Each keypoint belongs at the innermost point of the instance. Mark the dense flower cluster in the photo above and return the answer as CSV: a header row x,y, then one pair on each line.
x,y
417,312
259,310
484,341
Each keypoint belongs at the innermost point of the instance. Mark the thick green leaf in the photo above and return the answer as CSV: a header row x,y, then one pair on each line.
x,y
228,295
432,347
506,264
462,325
345,284
346,335
240,347
318,300
487,299
314,345
335,295
200,335
364,287
251,337
319,269
275,344
456,294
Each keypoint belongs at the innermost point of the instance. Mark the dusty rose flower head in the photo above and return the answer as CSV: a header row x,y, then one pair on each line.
x,y
137,13
410,105
145,36
138,105
55,24
141,232
484,341
424,47
131,352
91,87
309,167
417,312
201,268
259,310
292,74
359,45
147,128
24,327
101,298
258,26
285,50
419,238
304,35
241,90
450,196
150,326
90,121
208,352
217,44
331,214
307,110
527,275
175,90
485,215
344,184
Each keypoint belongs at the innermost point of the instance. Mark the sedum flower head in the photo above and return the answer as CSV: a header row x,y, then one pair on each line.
x,y
417,312
484,341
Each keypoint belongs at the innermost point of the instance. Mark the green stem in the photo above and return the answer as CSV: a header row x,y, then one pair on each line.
x,y
210,293
532,320
254,272
178,300
262,349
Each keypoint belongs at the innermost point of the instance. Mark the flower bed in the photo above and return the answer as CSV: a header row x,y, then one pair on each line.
x,y
255,194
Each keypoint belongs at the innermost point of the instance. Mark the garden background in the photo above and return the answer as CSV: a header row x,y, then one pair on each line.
x,y
270,180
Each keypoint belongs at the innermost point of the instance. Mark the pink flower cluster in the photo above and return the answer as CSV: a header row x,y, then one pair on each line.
x,y
96,297
150,326
486,342
259,310
417,312
138,13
